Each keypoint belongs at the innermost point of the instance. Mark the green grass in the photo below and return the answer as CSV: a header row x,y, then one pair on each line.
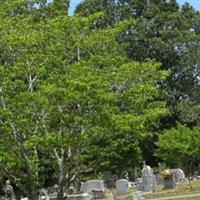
x,y
181,189
190,198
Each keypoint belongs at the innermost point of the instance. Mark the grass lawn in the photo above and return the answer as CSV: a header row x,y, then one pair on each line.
x,y
190,198
181,189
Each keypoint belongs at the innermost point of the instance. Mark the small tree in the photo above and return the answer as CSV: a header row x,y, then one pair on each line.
x,y
179,145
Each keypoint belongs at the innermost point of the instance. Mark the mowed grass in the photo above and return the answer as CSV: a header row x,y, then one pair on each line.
x,y
190,198
180,189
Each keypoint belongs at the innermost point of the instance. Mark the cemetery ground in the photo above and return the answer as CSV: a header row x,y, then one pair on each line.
x,y
180,190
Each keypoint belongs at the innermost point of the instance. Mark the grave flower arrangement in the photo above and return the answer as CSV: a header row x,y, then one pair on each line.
x,y
168,179
167,174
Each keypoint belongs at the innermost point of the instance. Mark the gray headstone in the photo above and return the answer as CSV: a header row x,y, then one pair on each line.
x,y
98,194
139,184
148,180
92,185
83,196
122,187
159,179
53,192
9,192
168,183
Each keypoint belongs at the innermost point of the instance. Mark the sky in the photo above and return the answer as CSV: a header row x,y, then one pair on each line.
x,y
194,3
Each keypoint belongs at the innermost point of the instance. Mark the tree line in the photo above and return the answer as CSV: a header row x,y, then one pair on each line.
x,y
105,89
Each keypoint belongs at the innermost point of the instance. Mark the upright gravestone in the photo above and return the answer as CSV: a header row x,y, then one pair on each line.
x,y
53,192
139,184
148,179
122,187
178,175
9,192
94,187
168,179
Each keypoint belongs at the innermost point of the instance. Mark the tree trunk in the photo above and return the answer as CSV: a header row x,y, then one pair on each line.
x,y
33,194
61,173
61,193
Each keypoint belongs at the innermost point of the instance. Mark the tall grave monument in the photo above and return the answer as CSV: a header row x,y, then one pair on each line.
x,y
148,180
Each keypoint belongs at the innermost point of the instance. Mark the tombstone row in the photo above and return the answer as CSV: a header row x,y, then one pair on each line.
x,y
95,189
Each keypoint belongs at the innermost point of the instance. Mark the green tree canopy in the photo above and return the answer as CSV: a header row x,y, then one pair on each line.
x,y
181,143
164,32
68,93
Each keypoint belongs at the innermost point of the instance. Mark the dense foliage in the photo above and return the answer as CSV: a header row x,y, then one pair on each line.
x,y
169,34
181,143
71,100
102,90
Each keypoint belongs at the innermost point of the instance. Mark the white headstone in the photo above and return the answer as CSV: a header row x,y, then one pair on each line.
x,y
179,175
122,187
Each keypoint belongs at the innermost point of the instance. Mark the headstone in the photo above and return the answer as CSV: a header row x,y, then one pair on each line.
x,y
196,173
159,179
89,186
139,184
178,175
168,179
122,187
148,179
97,194
53,192
168,183
83,196
9,192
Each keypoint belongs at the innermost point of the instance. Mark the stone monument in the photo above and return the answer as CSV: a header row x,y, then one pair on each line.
x,y
83,196
93,187
9,192
53,192
178,175
122,187
148,182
